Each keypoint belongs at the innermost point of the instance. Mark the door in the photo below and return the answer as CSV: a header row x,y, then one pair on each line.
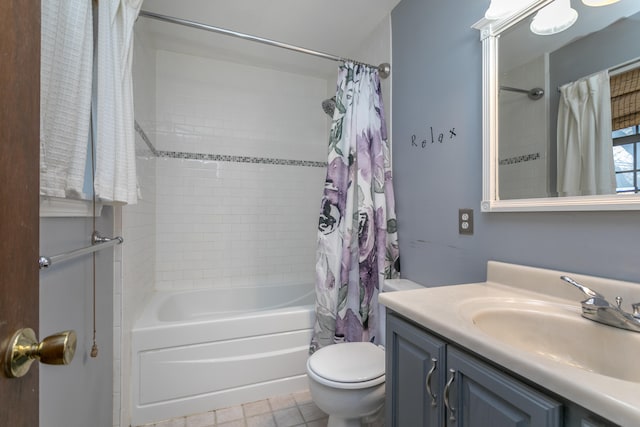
x,y
19,197
414,376
481,396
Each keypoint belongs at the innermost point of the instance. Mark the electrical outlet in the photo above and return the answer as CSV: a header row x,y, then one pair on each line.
x,y
465,221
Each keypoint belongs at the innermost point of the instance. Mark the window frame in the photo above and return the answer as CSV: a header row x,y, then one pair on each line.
x,y
633,139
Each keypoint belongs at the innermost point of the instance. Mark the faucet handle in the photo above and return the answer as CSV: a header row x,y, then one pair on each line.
x,y
588,292
636,310
619,302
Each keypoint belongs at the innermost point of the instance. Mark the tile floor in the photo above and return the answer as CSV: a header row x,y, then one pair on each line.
x,y
290,410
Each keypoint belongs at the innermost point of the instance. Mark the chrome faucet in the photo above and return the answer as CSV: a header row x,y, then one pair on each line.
x,y
597,308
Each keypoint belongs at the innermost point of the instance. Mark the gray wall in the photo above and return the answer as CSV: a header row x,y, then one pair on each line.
x,y
437,83
80,394
594,53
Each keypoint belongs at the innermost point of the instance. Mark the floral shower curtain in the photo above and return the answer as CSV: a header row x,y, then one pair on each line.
x,y
357,236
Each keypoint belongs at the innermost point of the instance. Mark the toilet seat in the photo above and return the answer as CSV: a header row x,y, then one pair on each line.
x,y
352,365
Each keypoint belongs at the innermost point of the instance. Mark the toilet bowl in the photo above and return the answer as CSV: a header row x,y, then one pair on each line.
x,y
347,380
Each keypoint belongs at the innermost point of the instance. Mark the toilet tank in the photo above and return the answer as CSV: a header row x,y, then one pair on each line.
x,y
393,285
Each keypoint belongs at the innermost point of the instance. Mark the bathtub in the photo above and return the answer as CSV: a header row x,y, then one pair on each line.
x,y
195,351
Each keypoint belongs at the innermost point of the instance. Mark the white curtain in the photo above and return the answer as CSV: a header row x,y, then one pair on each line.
x,y
115,175
65,96
584,143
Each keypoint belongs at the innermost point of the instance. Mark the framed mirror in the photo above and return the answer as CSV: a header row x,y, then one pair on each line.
x,y
556,135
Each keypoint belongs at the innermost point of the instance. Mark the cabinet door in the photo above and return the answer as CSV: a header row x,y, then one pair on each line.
x,y
482,396
414,376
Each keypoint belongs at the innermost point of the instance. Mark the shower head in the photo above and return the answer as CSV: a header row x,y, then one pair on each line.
x,y
329,106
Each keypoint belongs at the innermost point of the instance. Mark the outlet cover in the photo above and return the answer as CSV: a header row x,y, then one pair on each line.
x,y
465,221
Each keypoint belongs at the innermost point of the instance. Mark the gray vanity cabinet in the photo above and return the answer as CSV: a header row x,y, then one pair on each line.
x,y
477,395
415,376
482,396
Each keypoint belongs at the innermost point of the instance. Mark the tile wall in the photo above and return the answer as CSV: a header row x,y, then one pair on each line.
x,y
208,106
524,160
240,173
224,224
135,266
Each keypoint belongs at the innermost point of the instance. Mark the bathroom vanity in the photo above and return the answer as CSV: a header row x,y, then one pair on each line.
x,y
511,351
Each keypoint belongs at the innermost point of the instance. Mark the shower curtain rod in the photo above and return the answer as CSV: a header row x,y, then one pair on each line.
x,y
613,71
534,94
384,69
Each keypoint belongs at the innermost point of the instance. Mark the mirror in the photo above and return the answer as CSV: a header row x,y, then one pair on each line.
x,y
528,133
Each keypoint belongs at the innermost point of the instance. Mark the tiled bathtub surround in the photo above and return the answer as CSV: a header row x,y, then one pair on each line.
x,y
235,224
204,105
267,207
236,174
214,208
151,150
241,155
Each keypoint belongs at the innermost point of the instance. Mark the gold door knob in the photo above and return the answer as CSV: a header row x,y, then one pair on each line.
x,y
24,348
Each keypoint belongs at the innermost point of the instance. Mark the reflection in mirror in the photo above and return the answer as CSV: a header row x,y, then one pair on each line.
x,y
575,140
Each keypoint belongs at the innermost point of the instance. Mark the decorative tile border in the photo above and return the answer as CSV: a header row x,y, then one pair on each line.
x,y
520,159
223,157
239,159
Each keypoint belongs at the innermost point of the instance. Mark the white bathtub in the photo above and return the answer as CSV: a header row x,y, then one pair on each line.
x,y
195,351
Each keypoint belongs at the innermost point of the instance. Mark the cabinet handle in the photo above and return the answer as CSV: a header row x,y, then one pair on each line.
x,y
451,409
434,365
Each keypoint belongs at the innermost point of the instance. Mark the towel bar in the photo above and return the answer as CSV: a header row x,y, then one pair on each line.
x,y
97,243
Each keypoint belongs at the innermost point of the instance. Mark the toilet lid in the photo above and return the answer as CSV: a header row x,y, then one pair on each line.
x,y
351,362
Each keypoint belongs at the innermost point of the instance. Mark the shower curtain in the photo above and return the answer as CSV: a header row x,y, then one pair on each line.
x,y
357,236
584,143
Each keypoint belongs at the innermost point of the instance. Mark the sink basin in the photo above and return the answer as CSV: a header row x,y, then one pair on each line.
x,y
561,334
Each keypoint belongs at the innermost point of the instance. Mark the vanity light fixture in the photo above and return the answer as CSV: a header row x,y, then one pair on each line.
x,y
499,9
597,3
555,17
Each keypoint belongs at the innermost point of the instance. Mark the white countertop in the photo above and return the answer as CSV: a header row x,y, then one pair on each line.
x,y
442,310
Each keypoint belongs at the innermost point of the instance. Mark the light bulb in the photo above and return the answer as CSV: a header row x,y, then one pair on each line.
x,y
597,3
555,17
499,9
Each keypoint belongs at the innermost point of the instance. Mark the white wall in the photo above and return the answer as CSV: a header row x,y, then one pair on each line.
x,y
252,219
209,106
224,224
376,49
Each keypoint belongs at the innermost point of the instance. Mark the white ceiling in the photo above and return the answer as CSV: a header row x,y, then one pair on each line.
x,y
337,27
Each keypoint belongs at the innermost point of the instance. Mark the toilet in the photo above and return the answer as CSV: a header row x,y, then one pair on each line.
x,y
347,381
